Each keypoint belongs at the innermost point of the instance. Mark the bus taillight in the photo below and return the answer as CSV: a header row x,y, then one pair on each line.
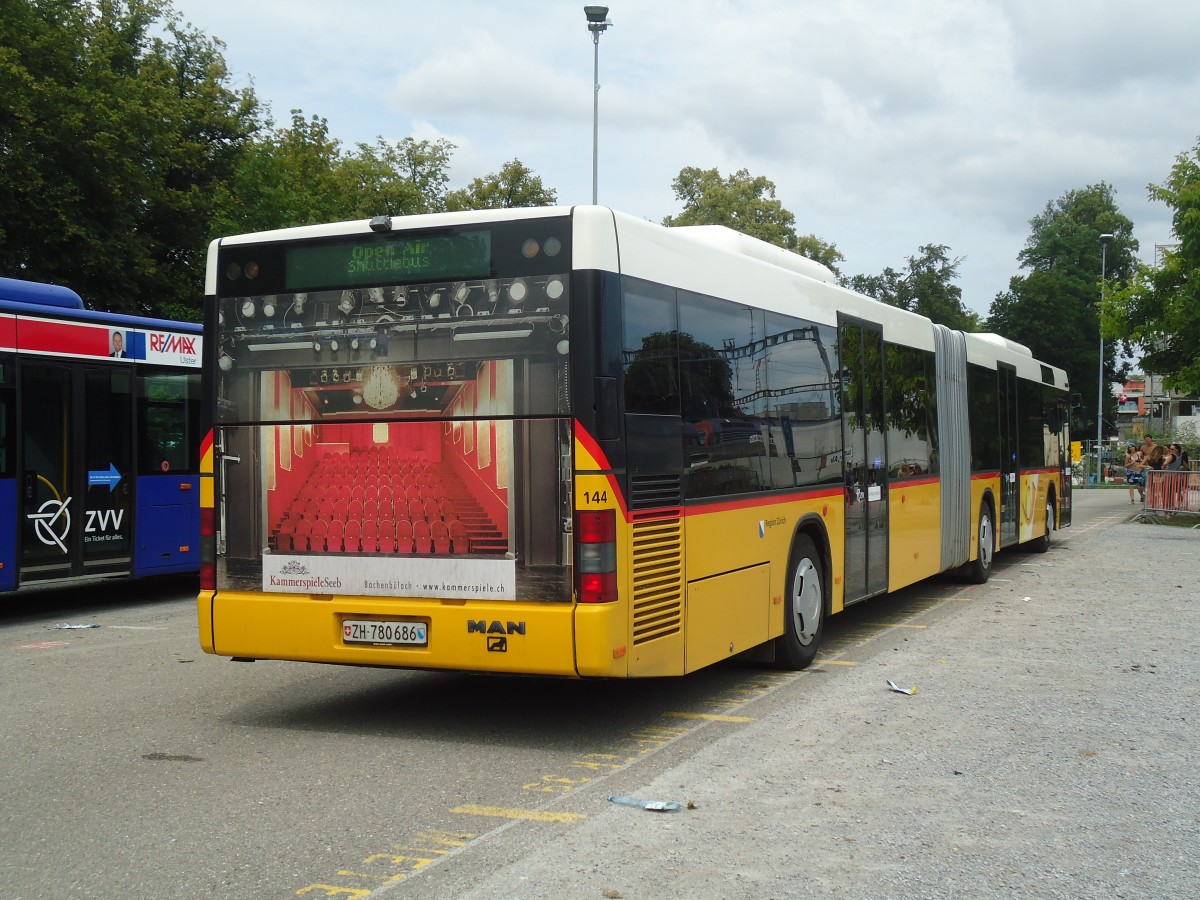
x,y
596,556
208,555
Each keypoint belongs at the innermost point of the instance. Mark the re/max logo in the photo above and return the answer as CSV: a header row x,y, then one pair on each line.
x,y
172,343
481,626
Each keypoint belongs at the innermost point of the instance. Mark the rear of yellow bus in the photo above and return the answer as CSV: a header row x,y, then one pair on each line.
x,y
393,463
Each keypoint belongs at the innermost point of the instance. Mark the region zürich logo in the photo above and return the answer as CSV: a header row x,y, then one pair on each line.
x,y
52,522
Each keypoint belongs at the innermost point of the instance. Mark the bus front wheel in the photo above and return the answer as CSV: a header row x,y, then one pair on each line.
x,y
805,613
1042,544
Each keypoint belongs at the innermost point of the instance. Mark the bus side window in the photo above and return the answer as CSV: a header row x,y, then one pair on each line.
x,y
651,349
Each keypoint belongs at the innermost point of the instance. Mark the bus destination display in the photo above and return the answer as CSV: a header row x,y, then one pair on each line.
x,y
391,261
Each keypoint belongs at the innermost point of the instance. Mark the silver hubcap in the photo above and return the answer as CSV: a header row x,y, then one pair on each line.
x,y
806,601
986,544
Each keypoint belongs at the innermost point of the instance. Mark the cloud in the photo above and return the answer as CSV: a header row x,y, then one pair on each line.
x,y
477,75
883,125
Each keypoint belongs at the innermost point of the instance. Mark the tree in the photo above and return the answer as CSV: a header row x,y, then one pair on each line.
x,y
924,287
513,186
400,179
747,204
1160,308
285,178
300,175
112,147
1054,310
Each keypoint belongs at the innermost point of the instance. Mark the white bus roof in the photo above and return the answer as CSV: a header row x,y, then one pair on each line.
x,y
707,259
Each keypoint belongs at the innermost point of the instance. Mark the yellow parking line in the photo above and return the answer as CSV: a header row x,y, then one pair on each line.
x,y
833,662
533,815
709,717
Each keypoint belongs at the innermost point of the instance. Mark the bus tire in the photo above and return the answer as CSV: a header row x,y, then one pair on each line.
x,y
1042,544
804,613
980,568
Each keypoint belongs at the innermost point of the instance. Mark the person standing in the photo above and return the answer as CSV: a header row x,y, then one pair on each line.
x,y
1153,454
1134,476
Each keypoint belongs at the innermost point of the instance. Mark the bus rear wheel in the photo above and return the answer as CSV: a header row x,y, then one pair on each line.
x,y
980,569
804,616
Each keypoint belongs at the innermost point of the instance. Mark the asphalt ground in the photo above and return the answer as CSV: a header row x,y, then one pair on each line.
x,y
1049,751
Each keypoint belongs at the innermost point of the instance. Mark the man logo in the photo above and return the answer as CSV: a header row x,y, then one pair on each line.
x,y
45,519
482,626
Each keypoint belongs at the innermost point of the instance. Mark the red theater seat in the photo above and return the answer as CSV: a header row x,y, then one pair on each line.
x,y
458,537
422,538
353,533
441,536
404,536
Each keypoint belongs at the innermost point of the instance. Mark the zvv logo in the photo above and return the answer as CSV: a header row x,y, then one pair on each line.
x,y
52,522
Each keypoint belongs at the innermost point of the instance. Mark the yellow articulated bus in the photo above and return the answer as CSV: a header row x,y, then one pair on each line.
x,y
566,441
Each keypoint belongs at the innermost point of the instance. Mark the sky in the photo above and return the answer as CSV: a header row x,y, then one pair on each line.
x,y
884,125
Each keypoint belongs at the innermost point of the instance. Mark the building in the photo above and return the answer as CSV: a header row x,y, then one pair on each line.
x,y
1145,406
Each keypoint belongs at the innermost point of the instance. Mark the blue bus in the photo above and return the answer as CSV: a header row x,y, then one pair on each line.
x,y
100,433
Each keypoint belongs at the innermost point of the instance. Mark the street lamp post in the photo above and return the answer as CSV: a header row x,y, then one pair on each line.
x,y
597,18
1104,239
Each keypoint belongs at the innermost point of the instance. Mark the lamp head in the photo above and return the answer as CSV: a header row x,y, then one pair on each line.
x,y
597,17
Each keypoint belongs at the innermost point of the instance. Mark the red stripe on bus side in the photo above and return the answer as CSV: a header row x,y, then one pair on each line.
x,y
769,500
8,332
62,337
593,449
898,483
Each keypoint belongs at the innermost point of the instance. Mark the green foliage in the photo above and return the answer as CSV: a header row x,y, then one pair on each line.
x,y
925,287
512,187
300,176
1160,308
400,179
1054,310
124,151
747,204
119,128
284,178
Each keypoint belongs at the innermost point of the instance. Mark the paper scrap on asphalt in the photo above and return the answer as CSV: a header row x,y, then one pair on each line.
x,y
899,690
651,805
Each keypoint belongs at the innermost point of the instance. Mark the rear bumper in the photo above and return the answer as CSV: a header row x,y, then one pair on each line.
x,y
501,636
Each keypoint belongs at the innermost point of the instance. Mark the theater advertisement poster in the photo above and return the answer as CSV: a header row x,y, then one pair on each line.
x,y
441,577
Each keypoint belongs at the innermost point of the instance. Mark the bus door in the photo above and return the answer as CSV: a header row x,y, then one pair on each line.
x,y
76,469
864,464
1010,481
1062,413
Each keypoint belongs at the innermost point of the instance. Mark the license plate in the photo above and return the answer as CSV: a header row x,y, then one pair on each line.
x,y
368,631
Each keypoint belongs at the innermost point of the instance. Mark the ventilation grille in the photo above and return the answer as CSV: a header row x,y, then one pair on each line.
x,y
657,575
654,491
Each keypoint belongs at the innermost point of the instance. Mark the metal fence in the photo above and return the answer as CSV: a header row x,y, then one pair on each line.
x,y
1172,491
